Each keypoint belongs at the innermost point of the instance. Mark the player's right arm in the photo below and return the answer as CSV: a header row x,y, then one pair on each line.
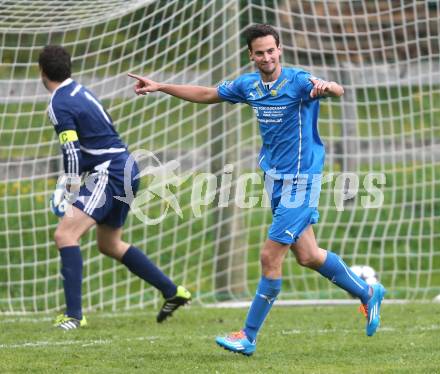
x,y
195,94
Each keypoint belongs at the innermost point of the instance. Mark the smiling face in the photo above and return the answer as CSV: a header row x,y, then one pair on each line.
x,y
266,55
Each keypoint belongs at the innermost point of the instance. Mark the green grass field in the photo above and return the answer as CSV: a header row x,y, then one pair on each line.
x,y
293,340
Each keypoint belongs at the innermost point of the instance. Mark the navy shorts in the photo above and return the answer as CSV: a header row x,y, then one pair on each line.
x,y
100,189
294,206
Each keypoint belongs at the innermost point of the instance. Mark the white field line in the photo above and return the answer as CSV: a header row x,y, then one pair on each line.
x,y
330,302
38,319
82,343
153,339
351,331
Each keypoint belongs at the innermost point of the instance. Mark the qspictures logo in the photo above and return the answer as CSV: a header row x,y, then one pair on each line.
x,y
165,181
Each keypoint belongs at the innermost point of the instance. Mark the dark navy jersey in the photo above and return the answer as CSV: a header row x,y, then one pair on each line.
x,y
288,120
86,132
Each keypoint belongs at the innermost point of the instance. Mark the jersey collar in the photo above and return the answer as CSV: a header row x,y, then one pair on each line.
x,y
63,84
274,87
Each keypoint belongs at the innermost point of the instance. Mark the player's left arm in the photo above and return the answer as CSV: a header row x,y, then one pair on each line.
x,y
72,161
68,184
323,88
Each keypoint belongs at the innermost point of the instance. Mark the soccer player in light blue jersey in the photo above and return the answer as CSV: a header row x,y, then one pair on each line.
x,y
90,144
286,103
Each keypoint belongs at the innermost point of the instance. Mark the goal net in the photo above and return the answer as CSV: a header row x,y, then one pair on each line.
x,y
204,219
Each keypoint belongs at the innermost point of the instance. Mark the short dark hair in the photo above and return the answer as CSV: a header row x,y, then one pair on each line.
x,y
258,31
55,62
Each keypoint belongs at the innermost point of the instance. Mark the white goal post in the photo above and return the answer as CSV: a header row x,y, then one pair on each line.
x,y
384,133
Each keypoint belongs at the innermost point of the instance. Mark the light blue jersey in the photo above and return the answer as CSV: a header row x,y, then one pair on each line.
x,y
292,154
288,120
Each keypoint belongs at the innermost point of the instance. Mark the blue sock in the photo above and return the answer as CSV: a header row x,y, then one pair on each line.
x,y
71,270
139,264
267,291
335,269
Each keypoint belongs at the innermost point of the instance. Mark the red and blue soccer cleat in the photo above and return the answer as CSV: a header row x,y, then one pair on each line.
x,y
237,342
371,310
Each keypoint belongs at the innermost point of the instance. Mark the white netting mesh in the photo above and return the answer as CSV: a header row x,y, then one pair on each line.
x,y
44,15
385,53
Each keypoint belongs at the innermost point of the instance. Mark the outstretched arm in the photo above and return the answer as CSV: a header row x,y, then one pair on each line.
x,y
324,88
195,94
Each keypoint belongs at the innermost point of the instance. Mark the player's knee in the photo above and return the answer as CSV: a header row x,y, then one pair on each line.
x,y
57,237
304,261
104,247
269,263
63,238
115,249
265,259
307,260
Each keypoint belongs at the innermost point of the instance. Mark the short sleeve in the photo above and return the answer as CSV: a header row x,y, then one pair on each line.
x,y
304,84
61,116
231,91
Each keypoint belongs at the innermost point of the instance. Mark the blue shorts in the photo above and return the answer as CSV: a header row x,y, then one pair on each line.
x,y
294,206
97,193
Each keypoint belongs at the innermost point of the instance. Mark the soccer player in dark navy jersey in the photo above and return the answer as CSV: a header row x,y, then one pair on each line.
x,y
286,103
90,144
